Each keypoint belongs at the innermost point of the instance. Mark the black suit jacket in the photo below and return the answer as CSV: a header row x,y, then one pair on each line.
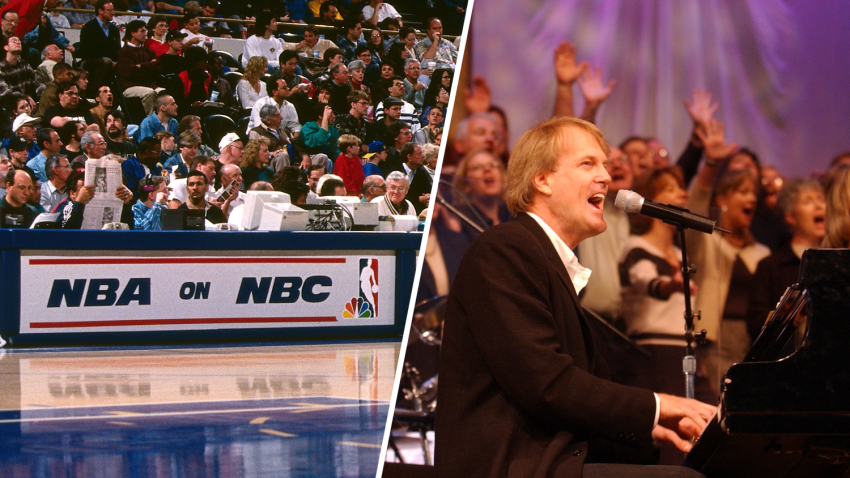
x,y
94,44
420,185
523,390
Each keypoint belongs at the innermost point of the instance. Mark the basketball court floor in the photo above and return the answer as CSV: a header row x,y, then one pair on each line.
x,y
255,411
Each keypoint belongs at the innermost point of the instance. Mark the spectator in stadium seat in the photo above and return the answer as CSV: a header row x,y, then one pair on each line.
x,y
193,123
72,210
428,134
408,111
78,19
70,134
348,164
354,121
144,163
434,47
394,202
479,131
103,105
414,91
50,144
138,66
24,126
50,56
375,155
15,74
314,173
163,118
152,198
168,144
230,173
172,61
399,135
42,35
117,141
312,43
100,41
178,192
188,143
251,87
53,190
18,184
340,88
320,139
349,41
17,148
231,149
226,95
377,11
194,37
157,30
255,162
94,147
50,95
278,94
373,186
332,57
271,128
328,15
69,108
263,42
418,179
390,114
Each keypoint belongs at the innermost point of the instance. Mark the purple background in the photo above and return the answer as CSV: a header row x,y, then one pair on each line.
x,y
778,68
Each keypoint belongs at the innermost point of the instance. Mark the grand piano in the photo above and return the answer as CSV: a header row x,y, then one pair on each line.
x,y
785,410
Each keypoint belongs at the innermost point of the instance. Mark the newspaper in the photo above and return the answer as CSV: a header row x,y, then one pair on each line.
x,y
105,175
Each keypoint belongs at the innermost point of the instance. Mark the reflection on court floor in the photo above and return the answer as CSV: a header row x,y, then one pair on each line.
x,y
261,411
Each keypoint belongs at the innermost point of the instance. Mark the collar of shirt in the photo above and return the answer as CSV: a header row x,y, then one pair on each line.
x,y
578,273
103,26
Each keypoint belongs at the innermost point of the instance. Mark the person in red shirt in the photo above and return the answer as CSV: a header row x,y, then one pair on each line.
x,y
348,165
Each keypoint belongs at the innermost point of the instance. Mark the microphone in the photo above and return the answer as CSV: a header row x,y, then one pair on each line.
x,y
632,202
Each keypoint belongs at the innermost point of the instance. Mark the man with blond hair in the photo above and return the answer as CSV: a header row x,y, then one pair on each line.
x,y
523,390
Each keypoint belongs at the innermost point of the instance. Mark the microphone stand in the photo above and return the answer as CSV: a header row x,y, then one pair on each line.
x,y
463,217
689,363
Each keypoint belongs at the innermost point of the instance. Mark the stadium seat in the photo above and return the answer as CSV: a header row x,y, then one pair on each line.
x,y
215,127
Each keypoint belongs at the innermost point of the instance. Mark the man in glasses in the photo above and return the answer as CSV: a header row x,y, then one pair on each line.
x,y
355,122
9,23
69,108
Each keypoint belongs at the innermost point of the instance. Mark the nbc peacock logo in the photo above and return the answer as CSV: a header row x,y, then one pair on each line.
x,y
365,305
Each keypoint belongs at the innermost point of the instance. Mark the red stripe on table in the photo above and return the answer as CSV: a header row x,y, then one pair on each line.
x,y
142,322
194,260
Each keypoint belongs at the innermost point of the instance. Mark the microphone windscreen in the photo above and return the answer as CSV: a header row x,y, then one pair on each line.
x,y
628,201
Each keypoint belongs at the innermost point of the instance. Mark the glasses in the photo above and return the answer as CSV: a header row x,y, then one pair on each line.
x,y
363,102
71,93
13,22
100,143
396,188
15,40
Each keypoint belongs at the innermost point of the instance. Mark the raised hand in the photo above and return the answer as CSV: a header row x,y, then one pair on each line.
x,y
701,108
714,141
566,70
478,98
591,86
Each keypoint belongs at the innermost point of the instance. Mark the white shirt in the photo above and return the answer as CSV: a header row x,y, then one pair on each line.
x,y
287,111
180,193
386,11
205,40
258,46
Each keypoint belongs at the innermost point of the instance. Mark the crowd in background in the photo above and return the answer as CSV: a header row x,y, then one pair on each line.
x,y
351,102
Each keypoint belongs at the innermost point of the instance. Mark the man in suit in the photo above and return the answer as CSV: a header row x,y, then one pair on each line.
x,y
100,41
420,181
523,390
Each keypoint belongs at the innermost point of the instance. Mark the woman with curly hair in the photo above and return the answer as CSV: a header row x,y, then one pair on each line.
x,y
157,28
250,88
255,162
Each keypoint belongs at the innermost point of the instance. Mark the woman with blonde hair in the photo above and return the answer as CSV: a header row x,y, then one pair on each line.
x,y
255,162
250,88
